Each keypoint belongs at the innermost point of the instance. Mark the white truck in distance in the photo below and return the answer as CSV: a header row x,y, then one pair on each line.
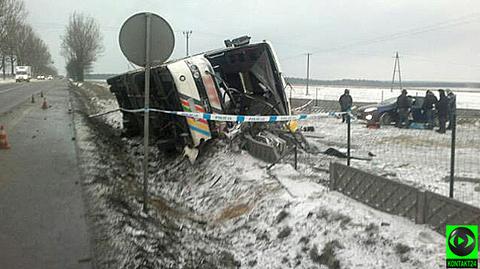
x,y
23,73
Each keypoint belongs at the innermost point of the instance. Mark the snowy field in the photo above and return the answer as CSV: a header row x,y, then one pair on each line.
x,y
467,98
420,158
228,211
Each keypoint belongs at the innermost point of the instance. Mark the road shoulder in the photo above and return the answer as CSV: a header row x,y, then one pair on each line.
x,y
42,211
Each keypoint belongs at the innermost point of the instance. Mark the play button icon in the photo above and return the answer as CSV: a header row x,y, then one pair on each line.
x,y
461,241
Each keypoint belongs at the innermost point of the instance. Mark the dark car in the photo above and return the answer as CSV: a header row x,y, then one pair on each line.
x,y
385,112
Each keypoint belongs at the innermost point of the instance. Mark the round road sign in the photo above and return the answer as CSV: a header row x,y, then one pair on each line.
x,y
133,39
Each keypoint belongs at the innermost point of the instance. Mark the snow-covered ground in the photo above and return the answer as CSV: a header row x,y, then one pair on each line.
x,y
467,98
114,119
285,218
229,211
418,157
9,80
103,101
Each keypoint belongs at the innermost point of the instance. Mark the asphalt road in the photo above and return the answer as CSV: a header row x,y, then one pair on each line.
x,y
12,94
42,219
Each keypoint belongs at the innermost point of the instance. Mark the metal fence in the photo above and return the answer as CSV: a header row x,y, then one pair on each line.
x,y
447,164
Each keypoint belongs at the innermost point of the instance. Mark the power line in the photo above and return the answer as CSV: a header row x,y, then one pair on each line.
x,y
470,18
413,31
277,43
414,57
212,34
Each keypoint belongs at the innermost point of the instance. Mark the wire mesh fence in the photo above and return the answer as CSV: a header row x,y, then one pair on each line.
x,y
416,156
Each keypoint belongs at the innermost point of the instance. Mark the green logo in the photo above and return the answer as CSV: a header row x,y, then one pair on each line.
x,y
462,246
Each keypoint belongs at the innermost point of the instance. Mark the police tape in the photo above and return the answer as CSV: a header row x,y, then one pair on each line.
x,y
233,118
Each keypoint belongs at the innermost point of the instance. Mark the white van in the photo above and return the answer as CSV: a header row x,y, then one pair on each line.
x,y
23,73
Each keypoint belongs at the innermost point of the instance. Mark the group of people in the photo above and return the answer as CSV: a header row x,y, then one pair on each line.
x,y
445,107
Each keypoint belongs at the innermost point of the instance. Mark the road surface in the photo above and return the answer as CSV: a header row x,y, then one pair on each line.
x,y
12,94
42,219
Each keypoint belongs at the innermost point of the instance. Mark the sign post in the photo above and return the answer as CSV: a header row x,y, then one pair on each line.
x,y
146,115
137,35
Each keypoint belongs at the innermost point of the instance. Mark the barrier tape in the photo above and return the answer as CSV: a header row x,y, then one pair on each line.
x,y
232,118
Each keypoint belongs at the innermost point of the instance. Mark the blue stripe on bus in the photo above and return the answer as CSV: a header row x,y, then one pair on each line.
x,y
198,130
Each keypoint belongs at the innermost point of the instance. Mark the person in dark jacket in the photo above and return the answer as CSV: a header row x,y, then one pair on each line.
x,y
345,103
428,103
452,108
442,109
403,106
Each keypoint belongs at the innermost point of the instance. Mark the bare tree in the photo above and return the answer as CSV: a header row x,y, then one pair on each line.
x,y
31,50
24,36
81,44
19,44
12,15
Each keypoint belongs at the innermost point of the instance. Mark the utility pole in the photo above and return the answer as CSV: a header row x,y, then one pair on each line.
x,y
396,68
308,70
187,35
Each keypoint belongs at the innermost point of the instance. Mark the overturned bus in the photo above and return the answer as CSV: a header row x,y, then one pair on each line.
x,y
241,79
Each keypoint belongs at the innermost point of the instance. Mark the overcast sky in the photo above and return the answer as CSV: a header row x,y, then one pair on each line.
x,y
436,39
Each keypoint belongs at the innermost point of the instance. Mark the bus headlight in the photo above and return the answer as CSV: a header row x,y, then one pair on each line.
x,y
196,75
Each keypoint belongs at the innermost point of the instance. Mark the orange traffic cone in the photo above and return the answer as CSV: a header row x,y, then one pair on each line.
x,y
44,105
3,139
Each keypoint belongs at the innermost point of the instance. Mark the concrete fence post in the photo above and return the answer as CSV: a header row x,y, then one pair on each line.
x,y
332,176
421,207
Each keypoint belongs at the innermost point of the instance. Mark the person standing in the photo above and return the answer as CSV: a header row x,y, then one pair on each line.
x,y
427,107
346,102
403,106
452,109
442,109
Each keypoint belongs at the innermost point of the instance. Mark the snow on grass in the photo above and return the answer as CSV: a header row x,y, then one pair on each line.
x,y
418,157
317,227
103,101
364,238
114,119
229,211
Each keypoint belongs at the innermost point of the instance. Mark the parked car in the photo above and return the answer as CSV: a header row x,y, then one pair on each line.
x,y
40,77
50,77
385,112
